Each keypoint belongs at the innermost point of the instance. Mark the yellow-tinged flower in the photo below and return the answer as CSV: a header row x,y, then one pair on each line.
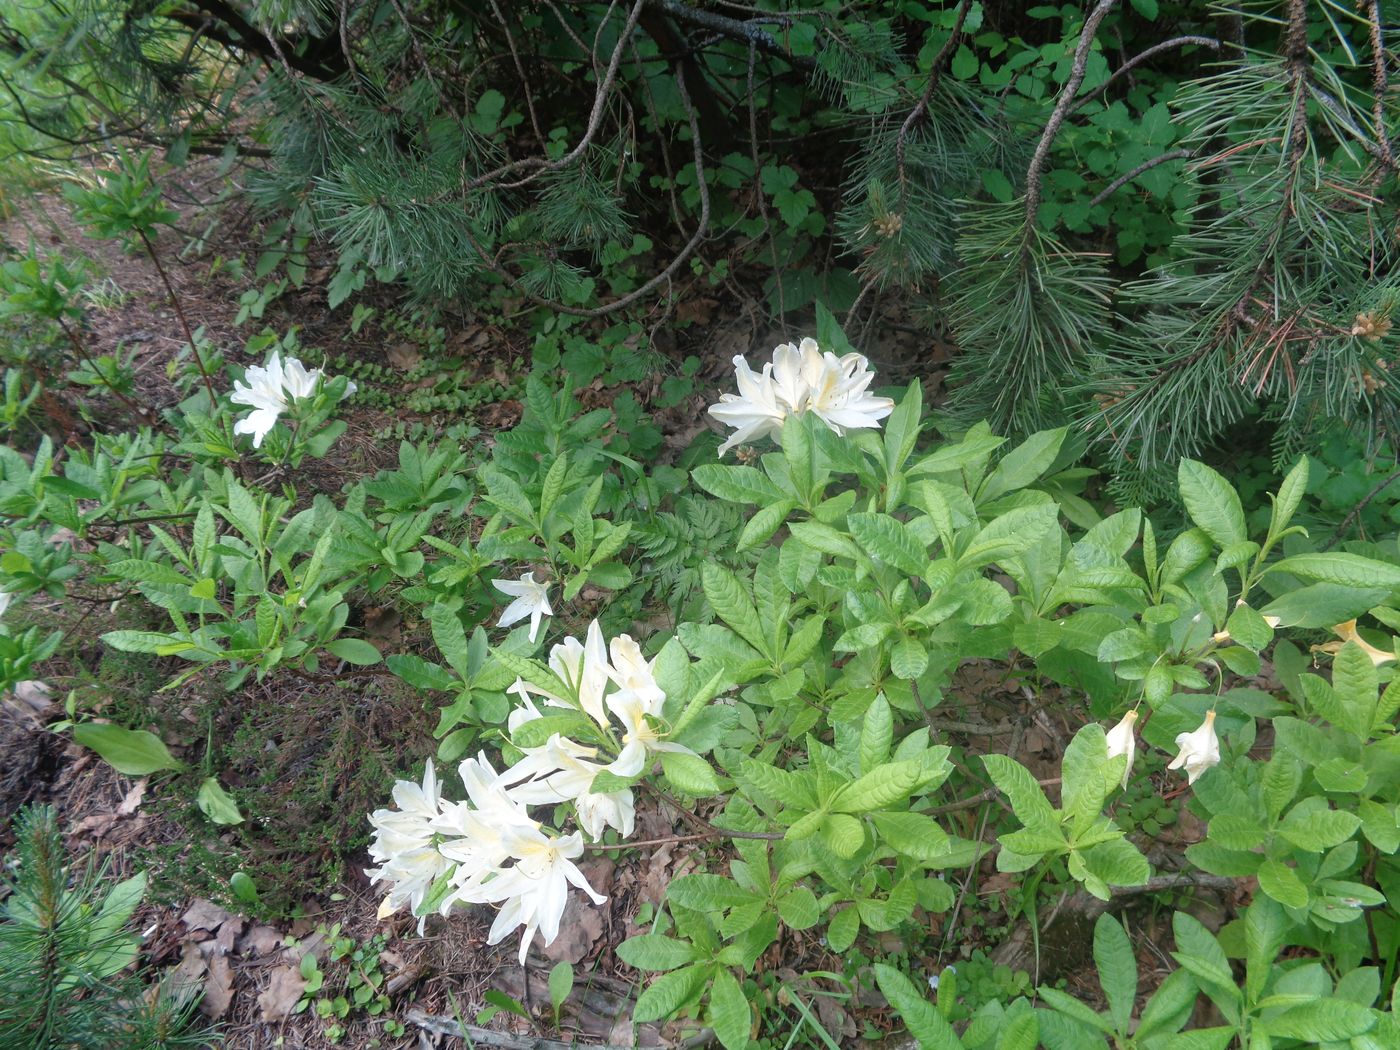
x,y
1198,751
1347,633
1121,741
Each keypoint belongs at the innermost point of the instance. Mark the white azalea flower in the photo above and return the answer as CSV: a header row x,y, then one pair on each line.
x,y
639,736
531,599
1121,741
584,668
1199,750
560,771
6,600
404,844
755,411
269,391
800,378
534,890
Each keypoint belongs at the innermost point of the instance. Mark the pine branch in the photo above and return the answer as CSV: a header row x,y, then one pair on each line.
x,y
1147,165
935,72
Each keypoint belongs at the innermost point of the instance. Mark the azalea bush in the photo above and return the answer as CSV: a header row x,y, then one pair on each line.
x,y
805,710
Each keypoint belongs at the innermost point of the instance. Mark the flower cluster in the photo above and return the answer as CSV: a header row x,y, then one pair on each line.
x,y
799,379
269,391
1196,751
488,849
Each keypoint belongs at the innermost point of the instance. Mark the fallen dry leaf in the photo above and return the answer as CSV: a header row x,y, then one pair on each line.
x,y
283,992
259,941
204,915
218,988
404,356
133,798
228,934
579,929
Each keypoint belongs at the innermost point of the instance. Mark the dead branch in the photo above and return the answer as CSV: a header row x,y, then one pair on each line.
x,y
1057,116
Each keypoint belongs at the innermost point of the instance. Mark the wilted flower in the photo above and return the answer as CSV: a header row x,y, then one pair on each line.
x,y
1199,750
531,599
800,378
1121,741
267,391
1347,633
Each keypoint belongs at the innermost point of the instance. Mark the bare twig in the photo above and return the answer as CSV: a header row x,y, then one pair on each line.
x,y
1057,116
935,72
759,193
1141,57
540,165
1147,165
184,321
702,227
1356,510
520,72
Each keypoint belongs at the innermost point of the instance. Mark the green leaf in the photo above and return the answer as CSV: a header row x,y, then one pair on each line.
x,y
1088,775
1118,972
1017,784
920,1016
1282,884
561,981
798,908
705,892
1008,535
1290,495
889,540
891,782
1264,932
1212,503
764,523
913,834
842,929
134,752
1323,1021
1315,830
1023,464
244,888
876,735
1200,953
354,651
909,659
147,642
655,952
216,803
668,993
1351,570
844,834
902,428
729,1013
733,605
690,774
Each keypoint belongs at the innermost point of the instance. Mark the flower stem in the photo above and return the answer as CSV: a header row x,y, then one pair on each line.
x,y
184,321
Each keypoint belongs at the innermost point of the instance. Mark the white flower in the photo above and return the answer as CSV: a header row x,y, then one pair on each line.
x,y
403,844
800,378
584,669
267,391
1199,750
1122,742
531,599
560,772
6,600
755,411
639,737
535,889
